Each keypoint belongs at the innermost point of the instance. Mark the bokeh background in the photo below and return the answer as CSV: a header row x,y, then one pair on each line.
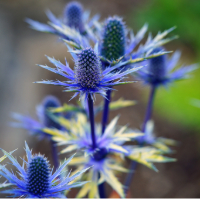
x,y
21,48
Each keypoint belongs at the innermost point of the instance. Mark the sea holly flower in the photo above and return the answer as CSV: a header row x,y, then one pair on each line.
x,y
35,127
161,70
158,142
113,39
78,136
37,179
118,43
101,158
74,17
87,76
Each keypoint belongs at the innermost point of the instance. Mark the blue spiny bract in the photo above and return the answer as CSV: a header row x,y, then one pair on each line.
x,y
113,44
74,15
88,69
38,176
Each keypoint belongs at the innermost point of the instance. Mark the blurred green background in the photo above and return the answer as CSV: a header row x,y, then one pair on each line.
x,y
175,102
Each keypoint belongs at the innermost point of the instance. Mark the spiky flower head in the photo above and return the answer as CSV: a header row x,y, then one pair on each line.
x,y
74,23
157,66
88,72
103,157
113,39
160,70
73,15
45,119
38,174
36,177
87,78
79,137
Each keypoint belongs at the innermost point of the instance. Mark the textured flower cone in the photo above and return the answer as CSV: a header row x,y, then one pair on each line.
x,y
74,15
113,44
88,69
157,67
38,176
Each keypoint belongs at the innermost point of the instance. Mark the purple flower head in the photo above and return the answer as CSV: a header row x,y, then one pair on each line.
x,y
73,14
157,66
79,137
74,23
160,70
88,72
45,119
88,76
38,174
113,39
36,179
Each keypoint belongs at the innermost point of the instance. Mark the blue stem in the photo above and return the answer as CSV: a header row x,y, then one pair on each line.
x,y
106,110
92,125
134,164
54,154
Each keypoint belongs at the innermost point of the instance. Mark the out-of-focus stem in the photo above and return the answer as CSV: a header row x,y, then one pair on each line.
x,y
134,164
92,124
105,115
54,154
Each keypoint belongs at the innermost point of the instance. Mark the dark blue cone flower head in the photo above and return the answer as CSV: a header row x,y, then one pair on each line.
x,y
113,39
88,76
45,119
88,72
74,22
37,179
160,70
119,43
38,173
73,14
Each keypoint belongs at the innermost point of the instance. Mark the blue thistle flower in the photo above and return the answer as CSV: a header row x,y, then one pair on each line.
x,y
88,76
79,137
37,179
103,157
73,18
44,120
73,14
160,70
114,39
38,173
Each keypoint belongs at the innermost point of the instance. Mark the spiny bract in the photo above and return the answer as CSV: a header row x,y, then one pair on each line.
x,y
113,44
88,69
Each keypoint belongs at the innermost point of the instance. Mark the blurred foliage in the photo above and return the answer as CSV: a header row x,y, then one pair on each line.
x,y
175,102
